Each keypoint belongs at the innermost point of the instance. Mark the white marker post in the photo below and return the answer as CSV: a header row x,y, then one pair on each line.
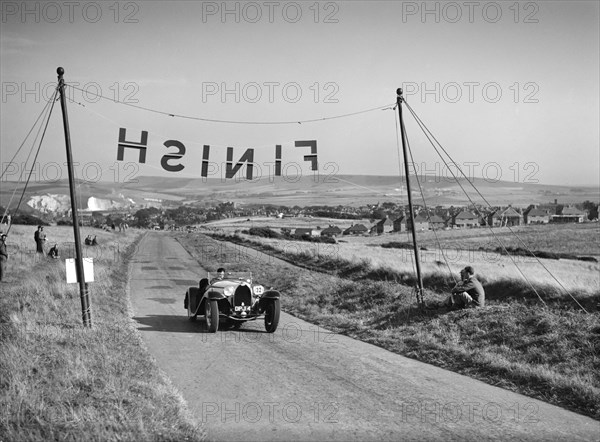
x,y
86,314
88,270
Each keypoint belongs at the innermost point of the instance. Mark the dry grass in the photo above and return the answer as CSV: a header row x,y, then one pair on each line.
x,y
60,381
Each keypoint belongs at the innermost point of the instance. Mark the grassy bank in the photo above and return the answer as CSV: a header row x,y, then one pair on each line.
x,y
60,381
551,353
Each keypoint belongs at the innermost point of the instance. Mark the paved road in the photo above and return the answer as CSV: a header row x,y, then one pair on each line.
x,y
304,383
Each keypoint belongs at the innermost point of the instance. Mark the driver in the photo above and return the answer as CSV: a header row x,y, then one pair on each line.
x,y
203,284
220,275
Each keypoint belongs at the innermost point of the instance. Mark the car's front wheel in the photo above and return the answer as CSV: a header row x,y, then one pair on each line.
x,y
272,316
211,311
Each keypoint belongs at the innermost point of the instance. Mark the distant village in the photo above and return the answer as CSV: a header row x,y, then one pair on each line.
x,y
459,218
386,217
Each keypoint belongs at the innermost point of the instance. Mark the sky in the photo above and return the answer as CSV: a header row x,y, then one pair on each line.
x,y
509,89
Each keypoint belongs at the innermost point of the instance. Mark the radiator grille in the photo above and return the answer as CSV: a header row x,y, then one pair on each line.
x,y
242,294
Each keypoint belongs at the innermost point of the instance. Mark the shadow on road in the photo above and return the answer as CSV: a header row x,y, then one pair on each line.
x,y
169,323
181,324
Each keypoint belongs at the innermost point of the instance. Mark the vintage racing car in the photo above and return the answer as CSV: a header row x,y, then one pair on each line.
x,y
234,297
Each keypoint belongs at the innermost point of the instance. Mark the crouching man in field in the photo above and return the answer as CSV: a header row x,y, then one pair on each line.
x,y
468,292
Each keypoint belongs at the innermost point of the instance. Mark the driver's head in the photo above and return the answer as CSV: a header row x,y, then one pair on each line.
x,y
220,273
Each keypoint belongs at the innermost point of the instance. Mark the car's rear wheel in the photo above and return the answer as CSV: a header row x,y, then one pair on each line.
x,y
272,316
211,311
191,315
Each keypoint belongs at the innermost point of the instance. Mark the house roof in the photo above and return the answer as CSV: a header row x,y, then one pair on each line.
x,y
466,215
436,219
357,228
331,229
509,212
384,222
421,219
538,212
572,211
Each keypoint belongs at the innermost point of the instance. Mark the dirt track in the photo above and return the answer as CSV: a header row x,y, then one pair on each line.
x,y
304,383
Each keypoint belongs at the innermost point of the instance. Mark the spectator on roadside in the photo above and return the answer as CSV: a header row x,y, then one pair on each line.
x,y
53,253
468,292
40,237
88,240
3,256
94,241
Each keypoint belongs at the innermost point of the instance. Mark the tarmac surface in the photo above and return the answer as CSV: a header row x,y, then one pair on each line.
x,y
305,383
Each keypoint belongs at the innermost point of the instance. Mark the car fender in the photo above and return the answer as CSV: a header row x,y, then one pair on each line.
x,y
214,295
267,297
271,294
211,295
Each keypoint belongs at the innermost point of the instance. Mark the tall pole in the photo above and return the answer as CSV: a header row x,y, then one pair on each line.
x,y
86,315
399,101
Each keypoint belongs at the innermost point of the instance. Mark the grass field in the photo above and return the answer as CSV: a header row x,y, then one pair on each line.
x,y
459,248
577,239
61,381
548,352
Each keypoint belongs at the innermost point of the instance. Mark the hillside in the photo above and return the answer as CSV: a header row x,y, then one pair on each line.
x,y
336,190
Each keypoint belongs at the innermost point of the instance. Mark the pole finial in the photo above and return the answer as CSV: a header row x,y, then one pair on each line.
x,y
60,71
399,91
